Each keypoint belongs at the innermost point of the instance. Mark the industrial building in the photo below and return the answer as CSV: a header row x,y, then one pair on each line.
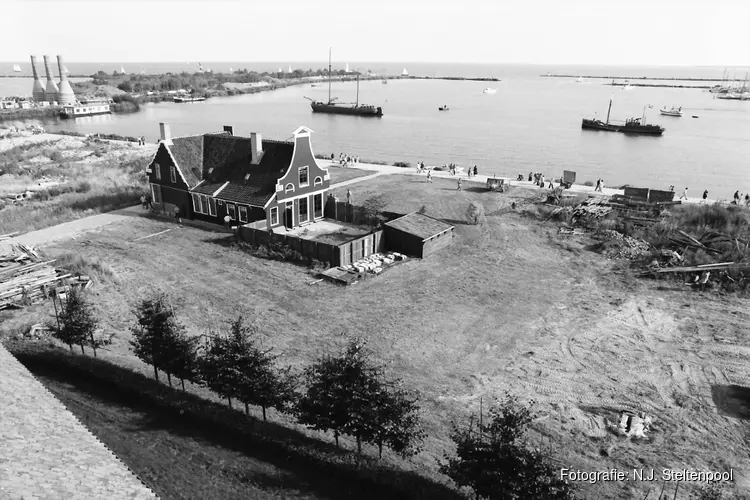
x,y
51,92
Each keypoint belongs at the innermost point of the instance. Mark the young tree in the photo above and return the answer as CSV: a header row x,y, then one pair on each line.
x,y
495,460
215,367
396,421
185,363
257,380
77,322
155,334
372,209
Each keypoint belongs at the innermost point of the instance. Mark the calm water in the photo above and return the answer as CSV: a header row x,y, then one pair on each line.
x,y
530,124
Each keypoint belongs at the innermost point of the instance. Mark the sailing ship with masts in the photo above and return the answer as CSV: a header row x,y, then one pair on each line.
x,y
632,125
342,108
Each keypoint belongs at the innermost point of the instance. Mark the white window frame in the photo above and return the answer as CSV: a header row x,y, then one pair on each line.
x,y
240,209
211,206
204,204
318,181
153,194
196,203
289,188
307,210
172,174
232,211
322,207
274,214
157,169
306,169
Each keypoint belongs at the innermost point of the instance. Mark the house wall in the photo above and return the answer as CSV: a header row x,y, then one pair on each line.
x,y
303,156
435,243
172,193
281,205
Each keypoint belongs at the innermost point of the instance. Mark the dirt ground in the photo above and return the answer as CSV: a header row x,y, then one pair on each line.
x,y
511,305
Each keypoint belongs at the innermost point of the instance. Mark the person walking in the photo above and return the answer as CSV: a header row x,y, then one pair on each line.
x,y
598,185
227,221
177,216
747,200
475,170
143,201
530,176
429,176
736,197
459,185
349,196
684,194
148,201
705,195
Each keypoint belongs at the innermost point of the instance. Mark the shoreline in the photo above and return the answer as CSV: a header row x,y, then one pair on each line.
x,y
670,79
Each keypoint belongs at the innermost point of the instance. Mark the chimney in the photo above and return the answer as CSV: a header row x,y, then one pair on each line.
x,y
256,147
38,89
228,128
65,94
51,90
165,134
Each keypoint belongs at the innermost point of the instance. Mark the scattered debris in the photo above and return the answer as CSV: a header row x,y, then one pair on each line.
x,y
634,425
374,264
619,246
25,278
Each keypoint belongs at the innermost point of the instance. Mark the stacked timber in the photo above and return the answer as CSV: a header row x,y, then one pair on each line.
x,y
26,278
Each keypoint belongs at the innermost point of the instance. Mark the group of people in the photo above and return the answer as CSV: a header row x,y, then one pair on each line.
x,y
142,140
538,179
346,160
599,185
737,198
146,202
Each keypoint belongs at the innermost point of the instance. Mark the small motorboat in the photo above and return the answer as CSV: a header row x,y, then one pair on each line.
x,y
489,91
443,108
673,111
695,116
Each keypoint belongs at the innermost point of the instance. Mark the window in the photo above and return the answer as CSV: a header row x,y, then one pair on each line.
x,y
303,210
318,181
203,204
289,188
318,205
243,213
172,174
157,169
231,211
304,180
274,216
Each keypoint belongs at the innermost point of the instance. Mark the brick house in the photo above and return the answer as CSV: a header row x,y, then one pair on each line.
x,y
250,179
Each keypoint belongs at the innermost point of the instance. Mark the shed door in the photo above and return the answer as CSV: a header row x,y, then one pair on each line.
x,y
289,215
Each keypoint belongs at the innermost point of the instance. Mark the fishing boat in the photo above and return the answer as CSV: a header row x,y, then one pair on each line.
x,y
595,124
635,126
673,111
340,108
17,68
443,108
489,91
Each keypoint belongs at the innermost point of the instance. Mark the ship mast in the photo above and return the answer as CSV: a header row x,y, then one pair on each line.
x,y
609,109
357,105
329,75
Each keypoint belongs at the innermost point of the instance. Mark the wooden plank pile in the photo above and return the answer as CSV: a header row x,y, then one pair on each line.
x,y
706,242
27,278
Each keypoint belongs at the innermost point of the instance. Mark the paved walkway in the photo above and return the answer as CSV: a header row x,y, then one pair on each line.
x,y
46,453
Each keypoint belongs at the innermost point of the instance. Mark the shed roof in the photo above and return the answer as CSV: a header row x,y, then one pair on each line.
x,y
419,225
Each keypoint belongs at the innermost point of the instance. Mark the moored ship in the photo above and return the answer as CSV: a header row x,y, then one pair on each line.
x,y
636,126
86,108
340,108
188,99
595,124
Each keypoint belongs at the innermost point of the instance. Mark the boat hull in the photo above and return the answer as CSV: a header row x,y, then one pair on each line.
x,y
642,130
339,109
189,99
587,124
79,115
671,113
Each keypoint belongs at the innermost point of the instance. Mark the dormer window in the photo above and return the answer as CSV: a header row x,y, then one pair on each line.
x,y
304,180
289,188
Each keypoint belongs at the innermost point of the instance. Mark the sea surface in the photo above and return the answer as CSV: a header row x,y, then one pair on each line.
x,y
531,124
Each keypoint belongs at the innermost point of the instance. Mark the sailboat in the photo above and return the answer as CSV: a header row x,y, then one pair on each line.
x,y
290,69
347,68
334,107
17,68
404,72
231,70
122,70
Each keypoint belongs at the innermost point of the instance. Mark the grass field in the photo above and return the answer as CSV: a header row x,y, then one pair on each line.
x,y
341,174
510,305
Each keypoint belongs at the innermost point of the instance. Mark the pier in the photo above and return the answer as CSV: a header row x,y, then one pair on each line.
x,y
678,79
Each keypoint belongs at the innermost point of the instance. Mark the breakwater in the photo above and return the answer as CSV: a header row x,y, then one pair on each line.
x,y
679,79
660,85
455,78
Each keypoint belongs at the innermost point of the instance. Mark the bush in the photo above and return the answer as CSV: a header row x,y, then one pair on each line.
x,y
94,268
475,213
402,164
83,187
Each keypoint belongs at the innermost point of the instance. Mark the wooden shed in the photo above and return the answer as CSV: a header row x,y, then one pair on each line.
x,y
417,234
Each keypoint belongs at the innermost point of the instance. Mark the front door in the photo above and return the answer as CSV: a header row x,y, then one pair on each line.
x,y
289,215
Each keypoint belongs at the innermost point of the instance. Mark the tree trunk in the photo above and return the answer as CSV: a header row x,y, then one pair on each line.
x,y
230,402
82,351
264,413
71,347
182,381
156,373
380,450
336,438
359,444
247,409
169,379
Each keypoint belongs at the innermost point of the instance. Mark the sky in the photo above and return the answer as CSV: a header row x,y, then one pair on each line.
x,y
597,32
